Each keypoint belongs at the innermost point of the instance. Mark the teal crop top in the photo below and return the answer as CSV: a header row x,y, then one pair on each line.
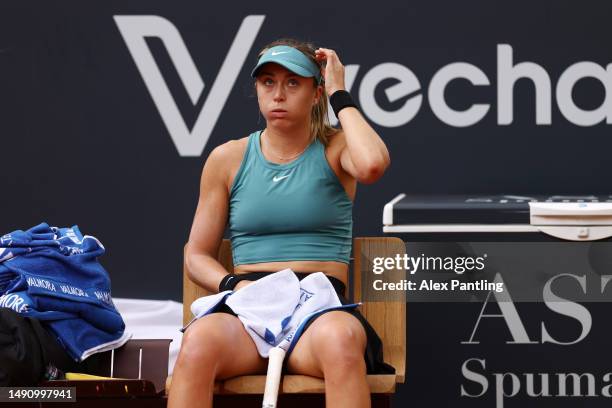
x,y
289,212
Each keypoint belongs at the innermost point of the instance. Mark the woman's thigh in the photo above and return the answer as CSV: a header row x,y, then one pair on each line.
x,y
334,336
222,340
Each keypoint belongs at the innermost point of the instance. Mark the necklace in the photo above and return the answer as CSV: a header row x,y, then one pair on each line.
x,y
285,158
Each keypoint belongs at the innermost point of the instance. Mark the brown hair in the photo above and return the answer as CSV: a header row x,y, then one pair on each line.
x,y
320,128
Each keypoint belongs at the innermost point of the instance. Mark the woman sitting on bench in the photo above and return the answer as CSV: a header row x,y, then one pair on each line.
x,y
287,193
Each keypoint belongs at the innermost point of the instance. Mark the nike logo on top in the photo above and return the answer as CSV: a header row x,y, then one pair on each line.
x,y
277,179
278,52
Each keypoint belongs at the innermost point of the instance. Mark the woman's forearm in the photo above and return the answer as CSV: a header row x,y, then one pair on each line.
x,y
204,270
365,148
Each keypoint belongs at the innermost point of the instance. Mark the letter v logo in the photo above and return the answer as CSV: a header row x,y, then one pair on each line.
x,y
134,29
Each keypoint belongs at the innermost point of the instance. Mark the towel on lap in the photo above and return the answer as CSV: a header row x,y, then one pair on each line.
x,y
275,308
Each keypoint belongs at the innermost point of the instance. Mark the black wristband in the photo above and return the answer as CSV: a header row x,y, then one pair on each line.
x,y
228,282
340,100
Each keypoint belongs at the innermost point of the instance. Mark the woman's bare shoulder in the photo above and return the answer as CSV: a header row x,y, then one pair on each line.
x,y
224,160
229,151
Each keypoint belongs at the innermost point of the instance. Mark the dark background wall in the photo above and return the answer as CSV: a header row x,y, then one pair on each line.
x,y
82,141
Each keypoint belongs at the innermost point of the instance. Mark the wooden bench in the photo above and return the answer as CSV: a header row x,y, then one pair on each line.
x,y
387,318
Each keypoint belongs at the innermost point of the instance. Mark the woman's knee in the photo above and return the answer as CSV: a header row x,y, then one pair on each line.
x,y
206,340
340,343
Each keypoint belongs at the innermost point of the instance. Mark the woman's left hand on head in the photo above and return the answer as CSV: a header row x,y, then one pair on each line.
x,y
333,73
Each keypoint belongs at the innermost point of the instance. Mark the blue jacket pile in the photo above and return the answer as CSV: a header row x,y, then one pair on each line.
x,y
53,274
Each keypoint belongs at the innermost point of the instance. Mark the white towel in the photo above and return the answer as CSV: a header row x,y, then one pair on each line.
x,y
275,308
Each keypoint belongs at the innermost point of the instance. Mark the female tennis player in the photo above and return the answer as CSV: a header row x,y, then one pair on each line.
x,y
287,192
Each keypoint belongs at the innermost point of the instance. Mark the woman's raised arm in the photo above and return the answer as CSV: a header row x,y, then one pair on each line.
x,y
365,155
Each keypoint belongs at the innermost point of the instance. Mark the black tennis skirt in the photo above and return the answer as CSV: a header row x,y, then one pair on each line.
x,y
373,355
